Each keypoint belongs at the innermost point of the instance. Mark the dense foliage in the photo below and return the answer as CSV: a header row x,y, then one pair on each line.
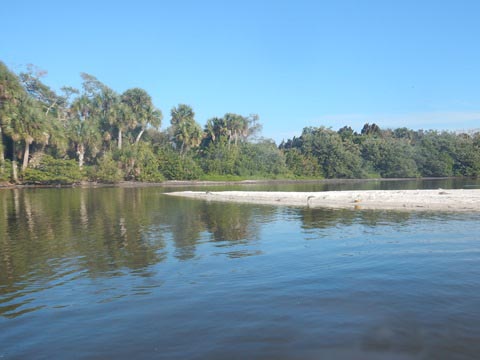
x,y
96,134
384,153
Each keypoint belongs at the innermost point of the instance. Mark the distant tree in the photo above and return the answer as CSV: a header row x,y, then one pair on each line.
x,y
215,129
106,105
186,132
346,132
117,114
241,127
85,137
371,130
390,158
219,158
175,166
261,158
466,156
336,158
433,154
302,165
25,122
232,127
144,112
11,92
49,100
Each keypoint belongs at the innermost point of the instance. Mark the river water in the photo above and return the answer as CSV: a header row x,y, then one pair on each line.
x,y
130,273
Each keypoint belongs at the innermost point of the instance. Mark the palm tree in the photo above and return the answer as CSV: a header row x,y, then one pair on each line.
x,y
28,125
10,92
181,113
115,113
85,136
237,126
153,118
216,128
142,109
189,135
186,132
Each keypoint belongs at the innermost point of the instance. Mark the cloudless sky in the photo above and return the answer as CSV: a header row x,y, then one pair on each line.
x,y
294,63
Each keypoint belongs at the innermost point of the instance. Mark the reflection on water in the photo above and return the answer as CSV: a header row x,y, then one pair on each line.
x,y
132,273
50,234
349,184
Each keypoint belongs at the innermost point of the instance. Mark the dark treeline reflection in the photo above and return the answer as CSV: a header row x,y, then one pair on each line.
x,y
318,218
49,234
190,221
359,184
102,232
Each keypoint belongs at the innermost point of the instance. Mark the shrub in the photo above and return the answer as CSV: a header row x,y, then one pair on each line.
x,y
5,171
107,170
53,171
147,164
176,167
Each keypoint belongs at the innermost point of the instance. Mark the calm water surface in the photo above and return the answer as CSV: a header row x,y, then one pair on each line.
x,y
133,273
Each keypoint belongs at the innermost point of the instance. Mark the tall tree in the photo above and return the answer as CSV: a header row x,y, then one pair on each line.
x,y
215,129
10,93
112,112
237,125
232,127
84,136
27,125
373,130
103,103
21,117
32,83
142,109
185,130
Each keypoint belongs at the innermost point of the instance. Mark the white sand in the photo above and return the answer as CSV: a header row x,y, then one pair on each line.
x,y
430,200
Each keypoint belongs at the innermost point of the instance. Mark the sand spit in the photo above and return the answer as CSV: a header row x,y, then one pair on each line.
x,y
420,200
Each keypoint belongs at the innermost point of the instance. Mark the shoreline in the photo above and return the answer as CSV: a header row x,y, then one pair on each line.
x,y
410,200
184,183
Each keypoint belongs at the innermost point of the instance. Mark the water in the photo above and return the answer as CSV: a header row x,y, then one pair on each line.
x,y
132,273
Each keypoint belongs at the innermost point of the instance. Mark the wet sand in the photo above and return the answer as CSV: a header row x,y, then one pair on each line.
x,y
419,200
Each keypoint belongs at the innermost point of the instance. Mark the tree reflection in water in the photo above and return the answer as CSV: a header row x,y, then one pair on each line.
x,y
108,232
105,230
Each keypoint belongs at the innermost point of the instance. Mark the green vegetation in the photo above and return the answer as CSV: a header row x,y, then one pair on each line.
x,y
53,171
96,134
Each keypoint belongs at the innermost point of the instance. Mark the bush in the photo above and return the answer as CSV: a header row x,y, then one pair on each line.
x,y
301,165
5,171
220,158
148,165
262,159
53,171
107,170
176,167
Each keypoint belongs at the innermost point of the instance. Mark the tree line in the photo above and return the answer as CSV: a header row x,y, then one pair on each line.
x,y
96,134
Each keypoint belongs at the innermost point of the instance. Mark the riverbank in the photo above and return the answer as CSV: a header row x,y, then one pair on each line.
x,y
418,200
200,183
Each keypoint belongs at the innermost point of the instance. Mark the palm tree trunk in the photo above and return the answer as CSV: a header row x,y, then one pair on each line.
x,y
119,139
81,155
26,155
2,153
139,136
14,164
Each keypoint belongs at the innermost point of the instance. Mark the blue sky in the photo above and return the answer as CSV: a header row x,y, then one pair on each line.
x,y
294,63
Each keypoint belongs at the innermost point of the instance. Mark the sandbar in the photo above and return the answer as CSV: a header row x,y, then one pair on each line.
x,y
458,200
